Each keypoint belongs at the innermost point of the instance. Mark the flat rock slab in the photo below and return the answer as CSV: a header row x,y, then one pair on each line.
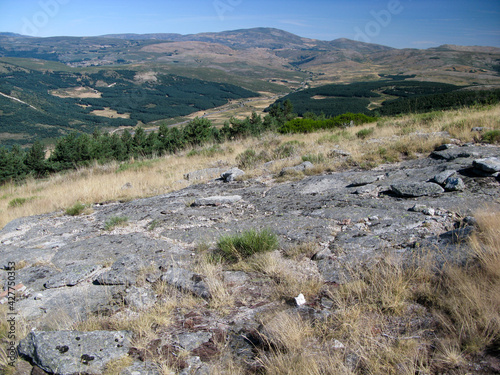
x,y
415,189
123,272
73,352
452,154
489,165
363,180
71,276
61,307
217,200
208,173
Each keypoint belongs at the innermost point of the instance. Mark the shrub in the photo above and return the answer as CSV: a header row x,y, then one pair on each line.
x,y
17,202
115,221
492,136
365,133
314,158
287,149
249,158
76,209
238,247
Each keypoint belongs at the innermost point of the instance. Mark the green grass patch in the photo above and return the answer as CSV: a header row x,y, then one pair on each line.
x,y
491,136
207,151
76,209
115,221
136,165
18,202
365,133
238,247
314,158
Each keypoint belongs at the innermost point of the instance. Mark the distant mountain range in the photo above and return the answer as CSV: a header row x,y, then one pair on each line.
x,y
77,76
263,48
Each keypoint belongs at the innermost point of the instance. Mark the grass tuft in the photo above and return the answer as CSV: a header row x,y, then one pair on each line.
x,y
238,247
114,222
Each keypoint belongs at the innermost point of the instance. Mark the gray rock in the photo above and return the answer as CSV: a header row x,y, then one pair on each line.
x,y
192,340
363,180
142,368
488,165
60,308
235,277
217,200
441,178
187,281
73,352
196,367
140,298
416,189
479,129
454,184
418,208
452,154
298,168
123,272
338,154
231,174
367,189
445,146
127,186
202,174
71,276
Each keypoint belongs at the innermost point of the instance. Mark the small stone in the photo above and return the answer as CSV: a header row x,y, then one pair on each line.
x,y
418,208
231,174
470,220
429,211
338,345
454,184
127,186
441,178
300,300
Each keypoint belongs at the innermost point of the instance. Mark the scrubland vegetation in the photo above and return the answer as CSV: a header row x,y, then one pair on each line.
x,y
387,140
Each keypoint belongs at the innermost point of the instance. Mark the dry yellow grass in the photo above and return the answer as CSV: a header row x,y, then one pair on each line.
x,y
393,138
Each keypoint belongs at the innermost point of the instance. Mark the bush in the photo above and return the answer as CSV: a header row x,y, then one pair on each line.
x,y
365,133
249,158
114,222
314,158
492,136
76,209
17,202
238,247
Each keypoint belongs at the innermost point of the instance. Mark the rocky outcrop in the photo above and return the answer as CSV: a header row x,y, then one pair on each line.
x,y
73,268
73,352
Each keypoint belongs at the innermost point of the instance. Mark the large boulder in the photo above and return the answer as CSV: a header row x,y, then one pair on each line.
x,y
73,352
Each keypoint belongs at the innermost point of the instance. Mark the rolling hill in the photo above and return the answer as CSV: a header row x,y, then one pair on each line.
x,y
58,75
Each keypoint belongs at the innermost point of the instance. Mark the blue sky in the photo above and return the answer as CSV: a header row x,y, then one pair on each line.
x,y
396,23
